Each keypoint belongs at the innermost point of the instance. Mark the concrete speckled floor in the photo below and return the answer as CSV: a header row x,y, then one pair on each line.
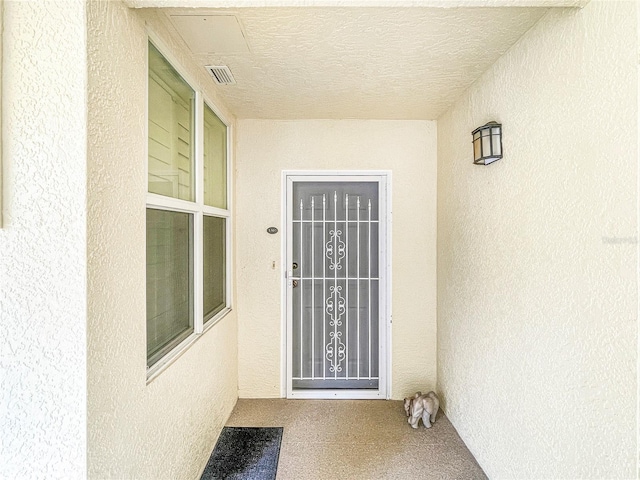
x,y
358,439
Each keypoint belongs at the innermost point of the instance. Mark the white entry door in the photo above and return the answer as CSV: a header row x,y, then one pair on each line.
x,y
336,286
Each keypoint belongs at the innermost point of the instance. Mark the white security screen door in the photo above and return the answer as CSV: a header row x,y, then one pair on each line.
x,y
336,286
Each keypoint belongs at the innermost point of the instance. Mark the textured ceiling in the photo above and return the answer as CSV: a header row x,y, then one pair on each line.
x,y
360,62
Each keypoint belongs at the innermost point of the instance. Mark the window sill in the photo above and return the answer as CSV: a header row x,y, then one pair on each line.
x,y
215,319
164,363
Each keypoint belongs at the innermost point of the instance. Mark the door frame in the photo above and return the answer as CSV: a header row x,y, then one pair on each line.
x,y
383,177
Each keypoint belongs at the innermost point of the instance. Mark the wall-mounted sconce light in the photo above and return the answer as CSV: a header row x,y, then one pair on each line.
x,y
487,143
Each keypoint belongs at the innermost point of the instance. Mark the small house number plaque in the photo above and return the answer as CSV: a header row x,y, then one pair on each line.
x,y
272,230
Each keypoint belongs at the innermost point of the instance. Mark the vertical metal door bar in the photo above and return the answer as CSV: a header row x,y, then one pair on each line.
x,y
335,284
301,290
324,281
346,257
358,284
313,291
369,289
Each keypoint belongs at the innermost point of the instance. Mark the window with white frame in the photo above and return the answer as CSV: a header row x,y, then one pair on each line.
x,y
187,213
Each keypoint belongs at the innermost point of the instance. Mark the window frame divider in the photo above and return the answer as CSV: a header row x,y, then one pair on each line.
x,y
198,240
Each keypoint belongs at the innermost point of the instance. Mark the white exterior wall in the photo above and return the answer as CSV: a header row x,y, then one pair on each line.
x,y
42,242
537,253
267,147
168,428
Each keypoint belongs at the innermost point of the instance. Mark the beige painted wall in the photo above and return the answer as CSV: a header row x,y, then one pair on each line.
x,y
43,284
168,428
264,149
537,254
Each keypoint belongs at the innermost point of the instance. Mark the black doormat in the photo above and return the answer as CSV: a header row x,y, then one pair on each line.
x,y
245,453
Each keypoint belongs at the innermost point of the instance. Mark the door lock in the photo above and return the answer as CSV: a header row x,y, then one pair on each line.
x,y
295,265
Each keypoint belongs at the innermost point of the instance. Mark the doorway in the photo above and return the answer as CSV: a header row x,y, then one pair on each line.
x,y
337,284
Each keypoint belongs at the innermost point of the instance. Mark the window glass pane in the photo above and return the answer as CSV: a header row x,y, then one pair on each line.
x,y
169,281
171,130
215,160
214,265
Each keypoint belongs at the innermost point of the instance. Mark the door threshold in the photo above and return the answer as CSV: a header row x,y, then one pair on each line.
x,y
337,394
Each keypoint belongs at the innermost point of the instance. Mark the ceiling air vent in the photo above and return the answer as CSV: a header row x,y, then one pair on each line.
x,y
221,74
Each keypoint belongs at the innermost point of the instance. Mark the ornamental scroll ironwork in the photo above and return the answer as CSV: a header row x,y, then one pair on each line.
x,y
335,348
335,254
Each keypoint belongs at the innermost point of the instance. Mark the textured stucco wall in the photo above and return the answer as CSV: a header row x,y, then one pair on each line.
x,y
42,243
165,429
537,253
264,149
